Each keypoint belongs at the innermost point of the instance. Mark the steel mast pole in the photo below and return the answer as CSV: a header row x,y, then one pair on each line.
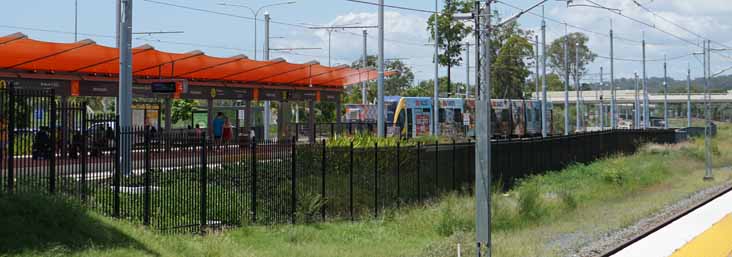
x,y
380,82
636,114
708,175
544,120
646,109
613,104
364,65
436,91
478,35
124,109
483,141
577,84
467,70
665,93
566,81
688,96
267,104
602,105
536,77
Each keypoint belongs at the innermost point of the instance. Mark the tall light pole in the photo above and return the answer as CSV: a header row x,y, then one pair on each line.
x,y
688,97
267,105
613,103
708,175
76,20
646,109
577,84
380,82
544,119
467,70
364,64
536,77
602,105
255,13
436,91
665,93
566,81
636,104
124,110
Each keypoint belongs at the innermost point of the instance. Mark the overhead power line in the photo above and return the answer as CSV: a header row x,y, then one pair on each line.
x,y
393,6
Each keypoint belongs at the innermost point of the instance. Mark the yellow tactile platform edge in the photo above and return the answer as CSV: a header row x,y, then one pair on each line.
x,y
714,242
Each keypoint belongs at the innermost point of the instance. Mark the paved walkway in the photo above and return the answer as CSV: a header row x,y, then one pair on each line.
x,y
705,232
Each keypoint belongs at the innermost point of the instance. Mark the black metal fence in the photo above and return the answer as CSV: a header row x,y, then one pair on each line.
x,y
185,181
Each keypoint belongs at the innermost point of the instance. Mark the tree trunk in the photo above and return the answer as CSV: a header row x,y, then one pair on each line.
x,y
449,91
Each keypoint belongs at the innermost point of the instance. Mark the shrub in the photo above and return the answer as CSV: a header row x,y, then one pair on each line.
x,y
531,205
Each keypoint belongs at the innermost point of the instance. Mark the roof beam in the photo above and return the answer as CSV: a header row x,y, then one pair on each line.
x,y
350,75
318,75
85,43
308,65
275,61
191,55
237,58
139,50
14,37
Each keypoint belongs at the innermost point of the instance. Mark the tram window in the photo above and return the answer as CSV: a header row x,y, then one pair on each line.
x,y
442,115
400,119
458,115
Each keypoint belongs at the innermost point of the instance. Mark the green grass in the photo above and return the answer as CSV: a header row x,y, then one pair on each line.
x,y
535,218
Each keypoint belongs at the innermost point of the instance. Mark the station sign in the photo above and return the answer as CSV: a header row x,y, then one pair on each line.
x,y
60,87
329,96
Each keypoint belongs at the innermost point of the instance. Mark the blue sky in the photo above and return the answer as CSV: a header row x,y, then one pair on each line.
x,y
406,30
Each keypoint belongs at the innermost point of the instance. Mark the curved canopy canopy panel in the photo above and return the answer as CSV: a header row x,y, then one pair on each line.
x,y
86,58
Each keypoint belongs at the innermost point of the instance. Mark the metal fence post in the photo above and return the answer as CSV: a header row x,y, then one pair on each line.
x,y
322,180
52,161
419,169
437,172
350,180
11,138
376,179
253,182
293,189
398,175
146,196
84,162
453,165
117,174
204,183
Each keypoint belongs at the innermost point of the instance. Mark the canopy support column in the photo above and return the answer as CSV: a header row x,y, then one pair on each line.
x,y
247,120
338,114
311,121
283,121
168,121
210,116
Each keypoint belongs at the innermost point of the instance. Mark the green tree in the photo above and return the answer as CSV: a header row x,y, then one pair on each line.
x,y
182,110
509,70
575,41
393,85
451,35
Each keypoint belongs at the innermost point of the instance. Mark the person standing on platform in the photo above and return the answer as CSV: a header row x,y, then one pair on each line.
x,y
218,128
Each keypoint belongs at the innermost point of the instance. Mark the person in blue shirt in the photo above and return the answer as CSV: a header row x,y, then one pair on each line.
x,y
218,127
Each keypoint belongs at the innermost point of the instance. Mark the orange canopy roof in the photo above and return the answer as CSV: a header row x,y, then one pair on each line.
x,y
18,52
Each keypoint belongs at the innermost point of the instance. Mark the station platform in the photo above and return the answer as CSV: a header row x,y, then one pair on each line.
x,y
705,232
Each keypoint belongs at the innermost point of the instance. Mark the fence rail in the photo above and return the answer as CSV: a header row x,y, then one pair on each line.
x,y
206,184
184,182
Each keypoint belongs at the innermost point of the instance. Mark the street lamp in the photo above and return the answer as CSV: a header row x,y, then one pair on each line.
x,y
255,13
